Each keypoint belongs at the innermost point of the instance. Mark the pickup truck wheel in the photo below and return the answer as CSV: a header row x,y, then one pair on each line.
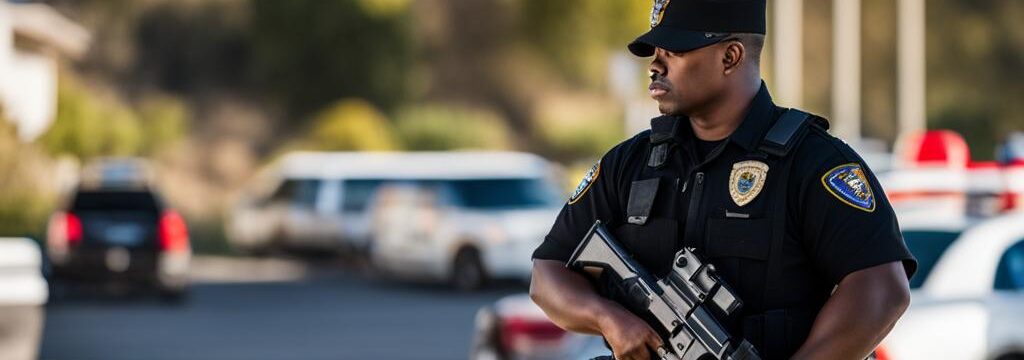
x,y
468,271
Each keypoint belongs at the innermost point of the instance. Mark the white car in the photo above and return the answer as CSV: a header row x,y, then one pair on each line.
x,y
321,200
306,201
968,295
467,218
23,293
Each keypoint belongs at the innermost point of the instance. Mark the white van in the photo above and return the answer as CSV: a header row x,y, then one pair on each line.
x,y
307,201
322,200
464,218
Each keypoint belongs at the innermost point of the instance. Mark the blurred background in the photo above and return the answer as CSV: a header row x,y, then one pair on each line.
x,y
367,178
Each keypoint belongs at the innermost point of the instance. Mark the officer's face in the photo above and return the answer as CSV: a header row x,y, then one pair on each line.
x,y
683,83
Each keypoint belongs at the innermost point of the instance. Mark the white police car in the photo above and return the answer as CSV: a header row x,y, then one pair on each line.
x,y
968,294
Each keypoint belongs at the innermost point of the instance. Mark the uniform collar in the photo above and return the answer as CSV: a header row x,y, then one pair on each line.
x,y
759,117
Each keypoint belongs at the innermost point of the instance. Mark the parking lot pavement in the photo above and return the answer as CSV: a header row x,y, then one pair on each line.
x,y
296,312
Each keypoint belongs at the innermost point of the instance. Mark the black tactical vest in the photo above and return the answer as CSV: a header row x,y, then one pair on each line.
x,y
745,249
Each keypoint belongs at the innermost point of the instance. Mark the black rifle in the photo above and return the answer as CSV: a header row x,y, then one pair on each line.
x,y
681,302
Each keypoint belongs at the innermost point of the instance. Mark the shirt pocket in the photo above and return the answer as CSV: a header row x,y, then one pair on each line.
x,y
739,248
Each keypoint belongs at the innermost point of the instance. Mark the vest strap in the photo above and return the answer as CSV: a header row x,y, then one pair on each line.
x,y
779,140
663,132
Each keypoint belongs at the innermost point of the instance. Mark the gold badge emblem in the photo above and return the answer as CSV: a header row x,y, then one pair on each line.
x,y
746,180
658,11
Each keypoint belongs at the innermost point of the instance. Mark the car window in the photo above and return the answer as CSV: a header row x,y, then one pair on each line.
x,y
104,200
284,191
1010,272
357,193
305,193
504,193
927,247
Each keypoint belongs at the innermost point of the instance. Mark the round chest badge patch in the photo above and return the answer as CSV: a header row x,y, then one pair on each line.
x,y
658,11
746,181
848,184
588,179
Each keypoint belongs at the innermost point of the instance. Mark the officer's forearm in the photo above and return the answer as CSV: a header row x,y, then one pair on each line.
x,y
567,298
859,314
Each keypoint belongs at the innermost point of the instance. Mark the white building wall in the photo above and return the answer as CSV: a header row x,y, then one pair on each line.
x,y
6,48
31,99
28,83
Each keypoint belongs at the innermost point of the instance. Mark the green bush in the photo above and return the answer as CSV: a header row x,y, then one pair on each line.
x,y
88,126
350,125
25,202
440,127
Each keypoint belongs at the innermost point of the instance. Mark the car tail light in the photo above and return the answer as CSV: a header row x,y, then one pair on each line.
x,y
1013,177
1008,201
173,232
72,229
65,229
881,353
519,333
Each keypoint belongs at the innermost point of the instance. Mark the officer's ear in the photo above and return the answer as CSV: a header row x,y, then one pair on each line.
x,y
732,58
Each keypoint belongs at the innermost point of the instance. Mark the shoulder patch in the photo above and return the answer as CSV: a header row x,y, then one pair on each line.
x,y
848,183
588,179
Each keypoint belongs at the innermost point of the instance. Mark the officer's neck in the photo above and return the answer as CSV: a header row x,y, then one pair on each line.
x,y
721,116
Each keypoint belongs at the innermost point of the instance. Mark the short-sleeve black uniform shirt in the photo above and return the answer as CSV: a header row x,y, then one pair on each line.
x,y
828,233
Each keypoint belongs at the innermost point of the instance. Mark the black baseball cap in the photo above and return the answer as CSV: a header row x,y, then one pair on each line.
x,y
684,25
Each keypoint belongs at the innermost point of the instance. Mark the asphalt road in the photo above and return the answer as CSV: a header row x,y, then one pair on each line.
x,y
326,313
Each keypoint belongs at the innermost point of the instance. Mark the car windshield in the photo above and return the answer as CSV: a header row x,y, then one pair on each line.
x,y
927,247
505,193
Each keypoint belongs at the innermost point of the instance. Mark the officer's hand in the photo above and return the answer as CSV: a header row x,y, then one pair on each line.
x,y
629,336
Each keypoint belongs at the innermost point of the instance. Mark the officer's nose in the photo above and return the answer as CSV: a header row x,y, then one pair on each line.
x,y
657,67
656,70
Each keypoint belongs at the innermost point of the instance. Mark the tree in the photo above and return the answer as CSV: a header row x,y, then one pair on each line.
x,y
309,52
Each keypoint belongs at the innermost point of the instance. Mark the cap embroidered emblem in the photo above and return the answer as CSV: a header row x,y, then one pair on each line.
x,y
848,183
746,181
658,11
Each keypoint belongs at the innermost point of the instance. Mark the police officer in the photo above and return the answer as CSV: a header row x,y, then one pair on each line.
x,y
791,216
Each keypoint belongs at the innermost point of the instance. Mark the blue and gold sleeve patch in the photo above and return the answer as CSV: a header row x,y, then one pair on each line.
x,y
588,179
848,183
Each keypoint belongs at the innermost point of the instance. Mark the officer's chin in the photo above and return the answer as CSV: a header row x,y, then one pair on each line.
x,y
668,109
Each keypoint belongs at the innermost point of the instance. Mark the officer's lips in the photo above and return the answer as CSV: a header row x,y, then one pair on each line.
x,y
657,89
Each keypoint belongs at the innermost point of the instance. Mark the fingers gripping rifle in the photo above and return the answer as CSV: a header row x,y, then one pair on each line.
x,y
682,302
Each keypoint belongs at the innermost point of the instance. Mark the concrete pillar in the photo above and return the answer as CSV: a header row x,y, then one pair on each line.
x,y
911,32
787,29
846,69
